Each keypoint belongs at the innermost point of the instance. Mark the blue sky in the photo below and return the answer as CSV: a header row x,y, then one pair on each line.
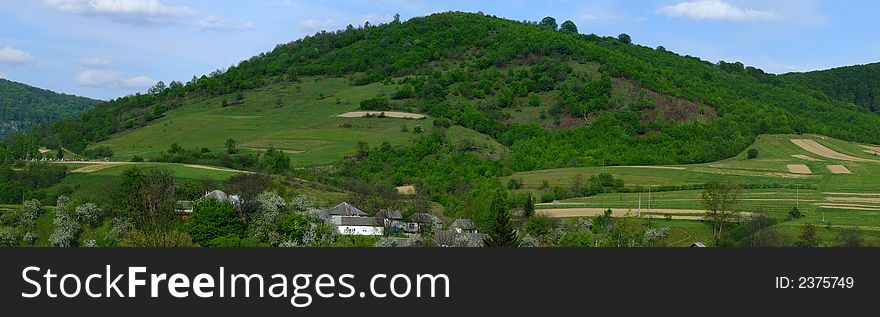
x,y
110,48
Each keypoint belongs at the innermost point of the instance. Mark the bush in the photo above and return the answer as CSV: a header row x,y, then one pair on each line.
x,y
8,237
377,103
538,225
795,213
752,154
137,158
405,92
514,184
212,219
576,239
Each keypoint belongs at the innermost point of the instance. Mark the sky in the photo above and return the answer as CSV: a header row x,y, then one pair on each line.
x,y
106,49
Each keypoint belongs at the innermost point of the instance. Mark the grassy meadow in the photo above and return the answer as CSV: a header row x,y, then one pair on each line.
x,y
828,200
297,118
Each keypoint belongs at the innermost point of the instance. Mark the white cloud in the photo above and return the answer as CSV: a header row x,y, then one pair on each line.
x,y
122,11
2,76
213,23
13,56
95,62
103,79
717,10
315,24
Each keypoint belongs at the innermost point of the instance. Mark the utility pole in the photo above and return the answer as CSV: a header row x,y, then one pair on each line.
x,y
649,198
639,215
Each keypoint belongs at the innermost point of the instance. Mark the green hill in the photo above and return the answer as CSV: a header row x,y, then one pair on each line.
x,y
23,106
858,84
555,98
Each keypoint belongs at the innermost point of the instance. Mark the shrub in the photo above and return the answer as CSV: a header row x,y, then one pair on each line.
x,y
752,154
8,237
795,213
377,103
212,219
88,213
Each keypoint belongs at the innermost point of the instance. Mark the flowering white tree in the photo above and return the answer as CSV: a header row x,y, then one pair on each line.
x,y
66,227
264,224
302,203
28,219
88,213
8,237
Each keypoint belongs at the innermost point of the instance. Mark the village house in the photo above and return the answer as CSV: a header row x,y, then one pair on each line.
x,y
422,222
463,226
350,220
392,219
185,207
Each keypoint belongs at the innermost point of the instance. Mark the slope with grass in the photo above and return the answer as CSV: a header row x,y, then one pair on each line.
x,y
826,196
301,119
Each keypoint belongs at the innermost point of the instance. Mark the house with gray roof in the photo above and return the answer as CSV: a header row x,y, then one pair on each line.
x,y
422,222
360,226
392,219
345,209
463,226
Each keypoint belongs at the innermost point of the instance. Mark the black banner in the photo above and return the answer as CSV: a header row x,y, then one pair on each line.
x,y
492,282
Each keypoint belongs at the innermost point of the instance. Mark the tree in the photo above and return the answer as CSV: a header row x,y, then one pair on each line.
x,y
851,238
230,146
60,153
147,197
529,207
569,26
549,23
624,38
501,231
752,154
88,213
795,213
719,199
31,210
66,227
579,238
396,19
266,223
212,219
809,238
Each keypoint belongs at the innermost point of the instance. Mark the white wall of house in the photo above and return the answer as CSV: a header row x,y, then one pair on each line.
x,y
361,230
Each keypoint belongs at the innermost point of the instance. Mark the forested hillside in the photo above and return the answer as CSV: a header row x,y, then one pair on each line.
x,y
471,68
23,106
858,84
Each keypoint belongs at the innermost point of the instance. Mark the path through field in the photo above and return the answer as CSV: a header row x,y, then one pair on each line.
x,y
814,147
683,214
92,167
806,158
389,114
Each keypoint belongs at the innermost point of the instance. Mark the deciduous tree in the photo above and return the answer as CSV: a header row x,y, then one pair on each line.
x,y
719,199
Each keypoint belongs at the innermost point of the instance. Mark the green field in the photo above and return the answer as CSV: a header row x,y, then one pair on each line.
x,y
828,200
298,118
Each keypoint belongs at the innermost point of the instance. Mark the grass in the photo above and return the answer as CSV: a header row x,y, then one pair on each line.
x,y
769,169
299,118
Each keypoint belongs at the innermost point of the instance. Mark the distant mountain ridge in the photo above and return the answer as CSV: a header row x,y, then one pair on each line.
x,y
23,106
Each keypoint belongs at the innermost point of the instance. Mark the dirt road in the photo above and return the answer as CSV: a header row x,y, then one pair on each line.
x,y
814,147
389,114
